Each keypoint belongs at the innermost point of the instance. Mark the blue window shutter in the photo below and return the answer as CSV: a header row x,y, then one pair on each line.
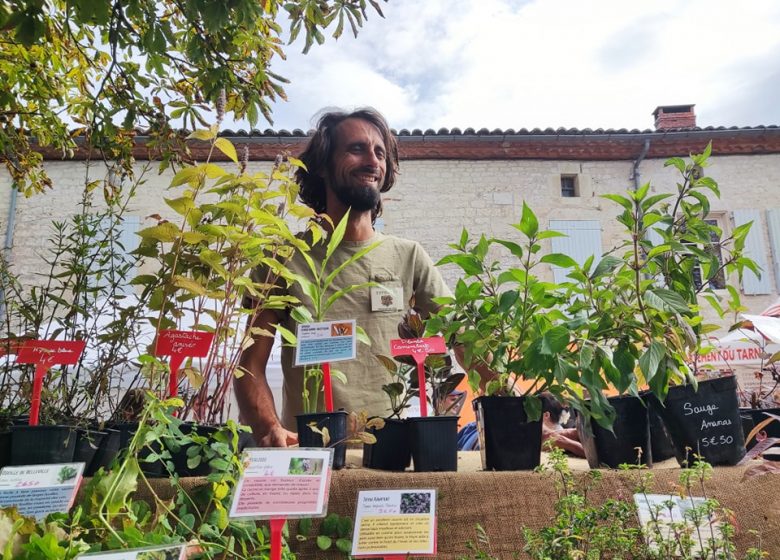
x,y
583,239
773,225
755,249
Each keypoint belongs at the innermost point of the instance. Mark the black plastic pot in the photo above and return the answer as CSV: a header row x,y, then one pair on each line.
x,y
391,452
434,443
42,445
507,440
660,441
704,422
5,448
106,453
630,431
154,469
751,417
87,444
336,422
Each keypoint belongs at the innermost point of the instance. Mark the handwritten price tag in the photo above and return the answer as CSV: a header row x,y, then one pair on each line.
x,y
45,354
179,345
419,349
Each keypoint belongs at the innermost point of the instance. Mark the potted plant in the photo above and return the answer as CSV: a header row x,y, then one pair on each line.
x,y
643,313
507,324
229,224
391,451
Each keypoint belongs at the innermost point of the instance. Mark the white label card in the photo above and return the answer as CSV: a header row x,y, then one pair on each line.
x,y
395,523
657,513
331,341
177,552
38,490
283,483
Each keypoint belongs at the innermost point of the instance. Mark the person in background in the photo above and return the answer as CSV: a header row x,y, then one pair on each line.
x,y
554,416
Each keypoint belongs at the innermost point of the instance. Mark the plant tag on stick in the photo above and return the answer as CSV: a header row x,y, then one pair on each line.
x,y
395,524
419,349
45,354
39,490
179,345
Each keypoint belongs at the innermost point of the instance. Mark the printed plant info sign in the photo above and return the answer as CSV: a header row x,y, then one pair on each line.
x,y
658,512
331,341
281,483
395,523
38,490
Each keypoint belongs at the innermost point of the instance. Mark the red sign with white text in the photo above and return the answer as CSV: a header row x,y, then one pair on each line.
x,y
192,344
418,346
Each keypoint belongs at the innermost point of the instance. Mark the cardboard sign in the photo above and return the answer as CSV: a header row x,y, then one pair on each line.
x,y
419,349
179,345
177,552
44,354
395,523
669,509
330,341
39,490
281,483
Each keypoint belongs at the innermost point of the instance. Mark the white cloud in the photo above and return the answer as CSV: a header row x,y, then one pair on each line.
x,y
545,63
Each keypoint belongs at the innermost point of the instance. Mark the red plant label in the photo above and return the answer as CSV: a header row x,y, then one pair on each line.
x,y
10,345
193,344
50,352
418,346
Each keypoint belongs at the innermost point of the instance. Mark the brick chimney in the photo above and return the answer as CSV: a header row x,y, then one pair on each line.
x,y
669,117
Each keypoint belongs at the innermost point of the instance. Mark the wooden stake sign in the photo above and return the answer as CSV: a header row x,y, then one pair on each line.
x,y
44,354
179,345
419,349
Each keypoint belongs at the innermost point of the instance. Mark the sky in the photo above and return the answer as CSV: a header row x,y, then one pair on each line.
x,y
544,63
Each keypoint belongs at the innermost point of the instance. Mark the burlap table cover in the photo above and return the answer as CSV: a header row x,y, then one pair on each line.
x,y
504,502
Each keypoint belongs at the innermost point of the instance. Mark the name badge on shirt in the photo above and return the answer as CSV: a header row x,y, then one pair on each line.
x,y
388,296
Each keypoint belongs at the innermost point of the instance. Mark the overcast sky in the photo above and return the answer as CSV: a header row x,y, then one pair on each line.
x,y
545,63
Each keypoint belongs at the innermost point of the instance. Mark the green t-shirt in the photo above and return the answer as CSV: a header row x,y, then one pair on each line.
x,y
404,269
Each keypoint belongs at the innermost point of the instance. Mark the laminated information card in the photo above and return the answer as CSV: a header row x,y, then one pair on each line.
x,y
331,341
395,523
38,490
659,513
279,483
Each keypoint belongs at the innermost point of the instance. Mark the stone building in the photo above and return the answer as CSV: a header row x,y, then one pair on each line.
x,y
478,180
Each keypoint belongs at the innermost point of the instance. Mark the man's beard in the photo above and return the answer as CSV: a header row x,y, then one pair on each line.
x,y
359,198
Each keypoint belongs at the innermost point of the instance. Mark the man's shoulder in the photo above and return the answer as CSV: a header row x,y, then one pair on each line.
x,y
399,242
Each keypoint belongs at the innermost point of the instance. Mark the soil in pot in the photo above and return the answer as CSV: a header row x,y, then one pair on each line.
x,y
434,443
336,422
42,445
706,421
617,447
391,452
508,441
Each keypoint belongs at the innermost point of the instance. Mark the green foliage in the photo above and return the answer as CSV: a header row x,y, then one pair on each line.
x,y
110,67
636,314
108,517
334,532
507,319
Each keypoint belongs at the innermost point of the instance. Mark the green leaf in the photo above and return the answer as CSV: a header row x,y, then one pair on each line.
x,y
324,542
606,266
188,284
344,545
529,225
344,528
185,175
555,340
666,300
203,134
166,232
559,259
226,147
622,200
651,358
335,237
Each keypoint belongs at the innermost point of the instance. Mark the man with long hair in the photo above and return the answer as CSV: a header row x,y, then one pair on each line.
x,y
351,159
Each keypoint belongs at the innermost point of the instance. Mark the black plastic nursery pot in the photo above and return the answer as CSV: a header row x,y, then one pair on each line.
x,y
391,452
704,422
106,452
88,443
42,445
507,440
5,448
751,417
126,430
630,432
336,422
434,443
660,441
